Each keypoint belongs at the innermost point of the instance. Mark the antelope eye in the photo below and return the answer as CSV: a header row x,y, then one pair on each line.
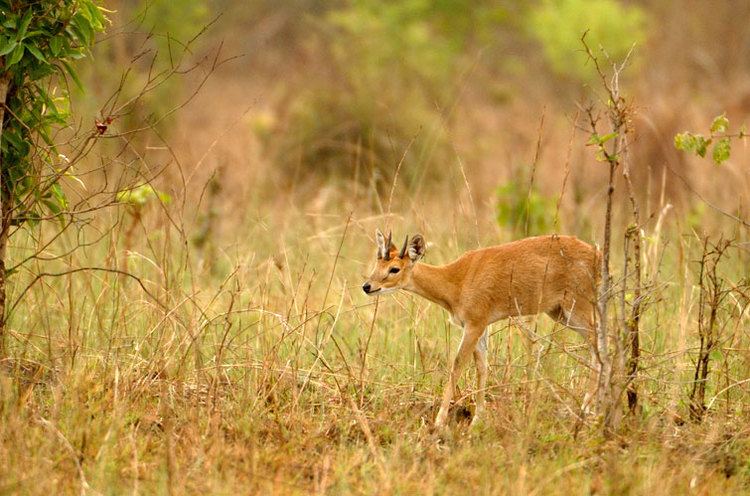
x,y
394,270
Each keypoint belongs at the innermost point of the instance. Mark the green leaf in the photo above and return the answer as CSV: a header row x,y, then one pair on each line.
x,y
24,25
701,145
52,206
96,16
695,143
141,195
55,45
7,45
35,52
15,141
15,56
683,141
36,32
720,124
59,195
722,150
25,21
73,74
600,140
82,28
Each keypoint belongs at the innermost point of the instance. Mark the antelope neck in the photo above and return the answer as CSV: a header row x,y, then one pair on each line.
x,y
435,283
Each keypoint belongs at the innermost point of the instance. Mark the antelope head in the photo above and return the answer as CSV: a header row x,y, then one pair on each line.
x,y
394,265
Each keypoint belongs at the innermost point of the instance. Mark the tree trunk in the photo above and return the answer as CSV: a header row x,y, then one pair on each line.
x,y
5,212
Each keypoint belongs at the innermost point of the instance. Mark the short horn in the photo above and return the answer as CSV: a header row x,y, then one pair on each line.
x,y
403,248
388,243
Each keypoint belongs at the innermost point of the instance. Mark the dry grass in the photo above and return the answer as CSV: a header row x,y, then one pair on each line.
x,y
276,373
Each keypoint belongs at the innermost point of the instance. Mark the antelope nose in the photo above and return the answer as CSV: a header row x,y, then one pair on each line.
x,y
366,287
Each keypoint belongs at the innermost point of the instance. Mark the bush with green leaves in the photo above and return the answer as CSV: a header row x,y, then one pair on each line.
x,y
38,42
522,209
394,66
559,24
173,25
140,196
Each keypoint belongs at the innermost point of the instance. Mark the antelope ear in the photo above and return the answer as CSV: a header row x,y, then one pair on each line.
x,y
380,239
417,247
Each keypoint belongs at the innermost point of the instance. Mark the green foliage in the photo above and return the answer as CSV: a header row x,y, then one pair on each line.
x,y
39,41
720,124
559,24
694,143
138,197
517,208
602,155
699,144
174,24
595,139
419,38
722,150
394,64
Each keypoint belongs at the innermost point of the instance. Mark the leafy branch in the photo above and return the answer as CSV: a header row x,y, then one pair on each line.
x,y
718,138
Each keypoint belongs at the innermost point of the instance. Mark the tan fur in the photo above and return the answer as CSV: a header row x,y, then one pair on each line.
x,y
556,275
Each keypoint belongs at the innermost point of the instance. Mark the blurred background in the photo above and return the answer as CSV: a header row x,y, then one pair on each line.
x,y
317,104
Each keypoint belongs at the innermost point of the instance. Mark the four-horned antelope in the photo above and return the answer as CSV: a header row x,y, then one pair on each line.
x,y
556,275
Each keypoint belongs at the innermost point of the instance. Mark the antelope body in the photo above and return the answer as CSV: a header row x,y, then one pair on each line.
x,y
556,275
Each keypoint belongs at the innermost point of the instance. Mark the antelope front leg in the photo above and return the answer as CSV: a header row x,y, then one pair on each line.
x,y
480,359
468,343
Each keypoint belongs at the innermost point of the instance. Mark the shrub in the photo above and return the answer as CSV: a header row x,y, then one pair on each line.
x,y
559,24
394,64
523,210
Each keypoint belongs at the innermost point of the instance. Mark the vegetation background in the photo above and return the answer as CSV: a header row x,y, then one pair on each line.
x,y
205,330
